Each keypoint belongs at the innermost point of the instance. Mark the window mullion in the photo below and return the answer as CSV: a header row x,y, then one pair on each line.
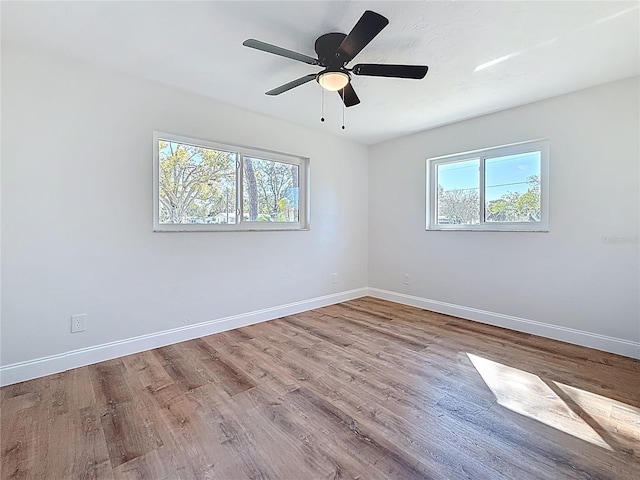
x,y
434,186
239,189
482,190
432,198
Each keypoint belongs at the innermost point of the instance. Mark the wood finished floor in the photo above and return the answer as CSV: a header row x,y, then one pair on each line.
x,y
367,389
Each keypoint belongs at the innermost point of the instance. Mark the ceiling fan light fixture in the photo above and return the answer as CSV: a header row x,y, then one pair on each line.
x,y
333,80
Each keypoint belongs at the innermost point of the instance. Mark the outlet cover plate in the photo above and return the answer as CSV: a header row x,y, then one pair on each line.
x,y
78,322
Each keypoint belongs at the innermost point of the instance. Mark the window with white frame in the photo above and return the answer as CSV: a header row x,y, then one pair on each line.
x,y
499,188
206,186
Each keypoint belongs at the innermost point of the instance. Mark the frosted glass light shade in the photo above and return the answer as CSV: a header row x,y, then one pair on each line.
x,y
333,81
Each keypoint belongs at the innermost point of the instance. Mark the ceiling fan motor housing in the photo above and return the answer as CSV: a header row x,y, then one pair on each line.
x,y
327,49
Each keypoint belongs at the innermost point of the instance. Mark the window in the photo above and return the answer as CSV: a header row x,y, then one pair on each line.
x,y
206,186
500,188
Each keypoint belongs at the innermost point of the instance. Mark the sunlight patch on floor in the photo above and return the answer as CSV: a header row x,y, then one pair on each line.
x,y
621,418
527,394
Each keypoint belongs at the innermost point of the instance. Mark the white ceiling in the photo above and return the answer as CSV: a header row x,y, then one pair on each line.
x,y
545,49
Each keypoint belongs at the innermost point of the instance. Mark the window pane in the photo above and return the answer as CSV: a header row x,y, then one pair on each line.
x,y
271,191
196,184
512,186
458,193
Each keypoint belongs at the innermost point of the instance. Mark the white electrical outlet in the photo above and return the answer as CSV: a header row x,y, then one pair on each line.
x,y
334,278
405,279
78,322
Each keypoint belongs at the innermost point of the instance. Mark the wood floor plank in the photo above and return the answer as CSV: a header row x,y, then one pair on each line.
x,y
240,453
129,431
24,443
255,364
266,438
153,465
231,379
110,382
80,390
37,386
146,369
89,449
180,369
341,427
367,389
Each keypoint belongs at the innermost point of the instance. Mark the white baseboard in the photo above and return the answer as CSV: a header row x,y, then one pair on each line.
x,y
40,367
19,372
564,334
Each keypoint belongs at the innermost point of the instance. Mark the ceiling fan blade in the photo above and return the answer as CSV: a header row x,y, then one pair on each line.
x,y
292,84
283,52
349,96
369,25
397,71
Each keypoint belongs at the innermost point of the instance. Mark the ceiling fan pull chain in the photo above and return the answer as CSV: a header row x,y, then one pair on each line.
x,y
322,104
343,108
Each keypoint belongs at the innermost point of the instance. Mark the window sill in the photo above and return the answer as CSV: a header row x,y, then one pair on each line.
x,y
530,230
234,228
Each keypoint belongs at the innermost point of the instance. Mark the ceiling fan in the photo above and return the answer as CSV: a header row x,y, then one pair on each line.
x,y
334,51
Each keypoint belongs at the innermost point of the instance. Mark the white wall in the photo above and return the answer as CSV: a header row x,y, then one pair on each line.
x,y
77,203
77,212
568,277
